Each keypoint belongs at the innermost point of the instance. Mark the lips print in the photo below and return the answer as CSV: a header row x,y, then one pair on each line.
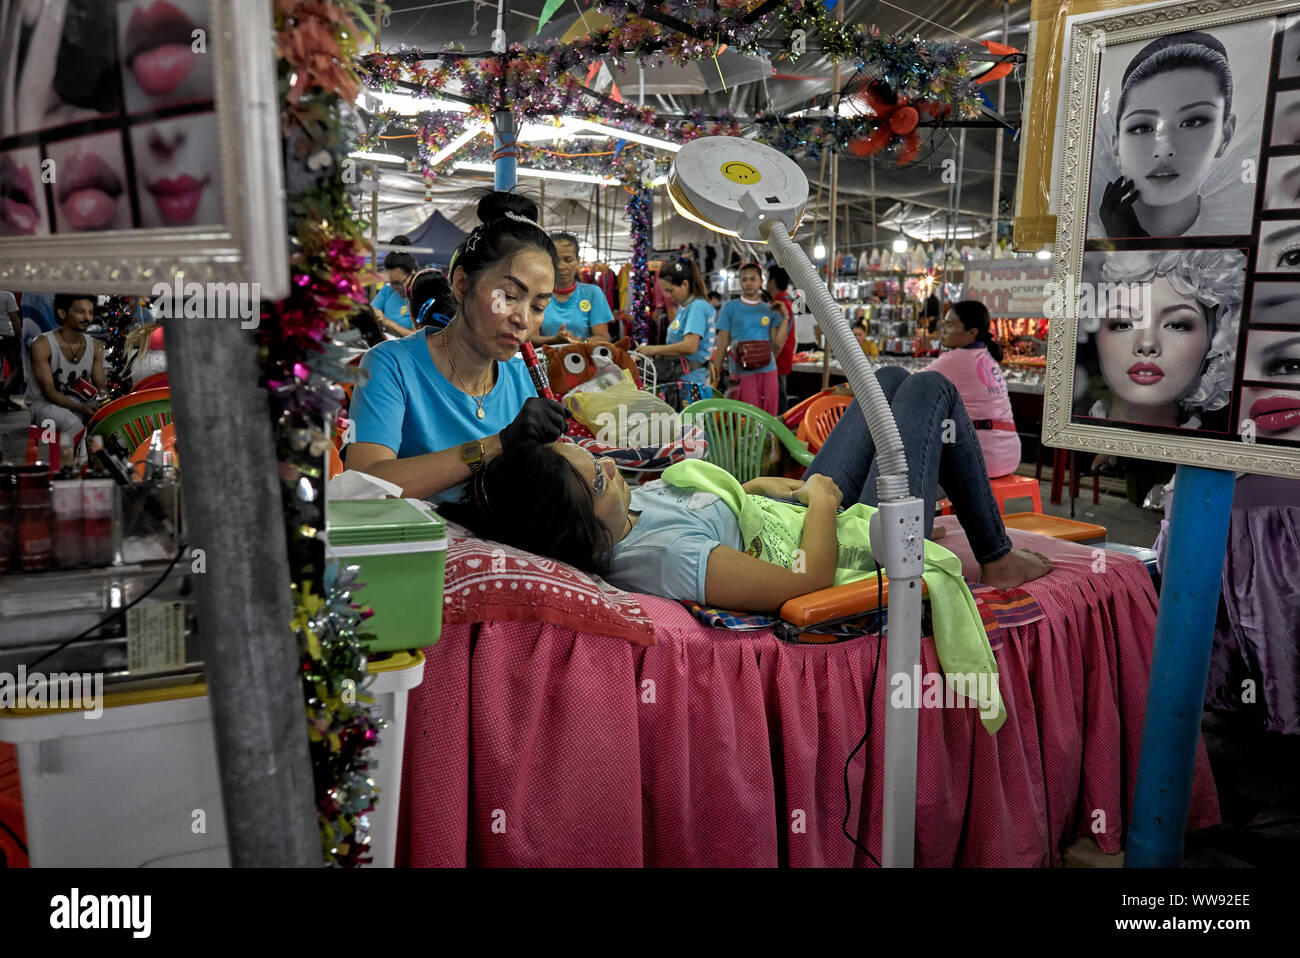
x,y
158,50
1276,413
17,199
88,191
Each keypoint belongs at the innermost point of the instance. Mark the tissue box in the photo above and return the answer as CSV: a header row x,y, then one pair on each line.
x,y
401,548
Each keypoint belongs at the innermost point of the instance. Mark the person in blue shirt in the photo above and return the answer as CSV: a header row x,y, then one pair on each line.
x,y
748,320
577,311
440,404
692,331
433,304
394,312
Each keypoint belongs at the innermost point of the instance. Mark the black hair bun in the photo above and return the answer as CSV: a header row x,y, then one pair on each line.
x,y
496,204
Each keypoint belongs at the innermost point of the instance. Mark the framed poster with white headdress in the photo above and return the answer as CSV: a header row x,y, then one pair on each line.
x,y
1176,284
139,139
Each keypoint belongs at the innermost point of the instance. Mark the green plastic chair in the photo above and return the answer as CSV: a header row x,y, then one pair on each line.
x,y
738,436
133,417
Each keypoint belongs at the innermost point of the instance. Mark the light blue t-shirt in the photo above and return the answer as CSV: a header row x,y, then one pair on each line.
x,y
573,316
745,322
695,317
667,551
394,305
410,407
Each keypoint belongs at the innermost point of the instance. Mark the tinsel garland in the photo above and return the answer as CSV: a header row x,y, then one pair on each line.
x,y
303,358
434,129
638,214
117,319
539,78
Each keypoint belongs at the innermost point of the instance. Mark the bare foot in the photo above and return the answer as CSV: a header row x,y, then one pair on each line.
x,y
1015,568
937,533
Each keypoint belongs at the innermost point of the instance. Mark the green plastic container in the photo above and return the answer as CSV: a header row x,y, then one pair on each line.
x,y
401,547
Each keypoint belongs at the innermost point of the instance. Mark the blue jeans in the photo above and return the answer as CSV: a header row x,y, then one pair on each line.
x,y
926,405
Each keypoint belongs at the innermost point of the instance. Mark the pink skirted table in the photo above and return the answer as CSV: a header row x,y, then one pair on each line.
x,y
530,744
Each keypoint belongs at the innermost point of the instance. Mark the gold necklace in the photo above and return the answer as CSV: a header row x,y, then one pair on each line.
x,y
76,353
478,400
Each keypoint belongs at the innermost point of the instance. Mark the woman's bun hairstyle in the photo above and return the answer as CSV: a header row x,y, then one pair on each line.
x,y
497,204
507,226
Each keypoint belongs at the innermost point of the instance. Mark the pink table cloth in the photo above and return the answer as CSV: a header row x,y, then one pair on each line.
x,y
529,744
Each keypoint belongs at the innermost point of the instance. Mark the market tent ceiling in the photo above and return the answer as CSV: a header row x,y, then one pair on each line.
x,y
779,86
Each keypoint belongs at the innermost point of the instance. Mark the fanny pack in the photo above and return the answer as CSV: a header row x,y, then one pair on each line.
x,y
751,354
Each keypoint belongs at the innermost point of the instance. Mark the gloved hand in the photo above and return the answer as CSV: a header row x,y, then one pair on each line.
x,y
1116,209
540,420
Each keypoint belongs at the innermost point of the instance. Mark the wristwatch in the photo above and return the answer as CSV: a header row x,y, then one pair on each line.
x,y
471,453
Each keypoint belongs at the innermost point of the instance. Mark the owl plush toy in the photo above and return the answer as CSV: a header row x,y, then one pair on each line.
x,y
574,364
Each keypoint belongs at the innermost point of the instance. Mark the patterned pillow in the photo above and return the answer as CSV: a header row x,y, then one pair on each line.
x,y
490,582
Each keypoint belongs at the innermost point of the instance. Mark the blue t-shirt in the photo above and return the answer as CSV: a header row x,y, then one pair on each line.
x,y
667,551
394,305
745,322
586,307
410,407
695,317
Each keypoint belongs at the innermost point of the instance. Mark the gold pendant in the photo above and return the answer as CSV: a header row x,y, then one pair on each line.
x,y
481,413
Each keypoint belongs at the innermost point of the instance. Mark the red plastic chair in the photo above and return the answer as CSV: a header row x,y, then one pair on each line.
x,y
156,381
821,419
793,416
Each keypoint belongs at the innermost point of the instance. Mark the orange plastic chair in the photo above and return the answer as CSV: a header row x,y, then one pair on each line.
x,y
1006,488
335,462
822,417
795,414
168,438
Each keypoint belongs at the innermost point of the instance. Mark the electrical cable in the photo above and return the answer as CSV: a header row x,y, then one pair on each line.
x,y
871,698
116,613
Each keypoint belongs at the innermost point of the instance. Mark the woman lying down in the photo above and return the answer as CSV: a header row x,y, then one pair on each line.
x,y
698,535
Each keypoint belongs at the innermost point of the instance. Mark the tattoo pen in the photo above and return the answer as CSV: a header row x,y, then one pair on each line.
x,y
535,370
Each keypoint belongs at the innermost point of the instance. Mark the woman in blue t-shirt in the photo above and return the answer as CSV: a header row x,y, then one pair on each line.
x,y
390,304
750,320
692,331
577,311
440,404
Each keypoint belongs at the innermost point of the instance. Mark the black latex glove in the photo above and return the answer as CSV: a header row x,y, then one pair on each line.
x,y
1117,216
541,420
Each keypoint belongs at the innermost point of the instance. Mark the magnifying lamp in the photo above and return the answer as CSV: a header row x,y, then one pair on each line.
x,y
756,193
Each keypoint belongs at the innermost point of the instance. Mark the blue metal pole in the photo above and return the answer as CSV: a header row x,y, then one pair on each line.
x,y
505,157
1189,597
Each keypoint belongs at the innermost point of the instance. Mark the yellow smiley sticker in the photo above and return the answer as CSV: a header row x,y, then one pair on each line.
x,y
405,310
673,326
585,306
740,172
765,320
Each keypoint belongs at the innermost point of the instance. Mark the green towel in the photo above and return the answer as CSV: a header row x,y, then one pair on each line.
x,y
772,531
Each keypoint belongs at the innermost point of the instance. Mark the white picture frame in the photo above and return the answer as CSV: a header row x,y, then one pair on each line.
x,y
1063,424
244,236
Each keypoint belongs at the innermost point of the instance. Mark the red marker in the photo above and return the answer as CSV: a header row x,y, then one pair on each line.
x,y
535,370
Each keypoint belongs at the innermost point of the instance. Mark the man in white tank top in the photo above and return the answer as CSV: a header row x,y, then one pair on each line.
x,y
63,361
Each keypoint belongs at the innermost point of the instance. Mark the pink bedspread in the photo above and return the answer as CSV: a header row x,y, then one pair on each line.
x,y
530,744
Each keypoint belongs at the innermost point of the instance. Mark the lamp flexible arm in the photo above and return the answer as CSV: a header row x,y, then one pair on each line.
x,y
892,482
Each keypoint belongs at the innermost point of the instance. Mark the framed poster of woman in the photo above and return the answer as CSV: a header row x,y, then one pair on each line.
x,y
139,139
1177,268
